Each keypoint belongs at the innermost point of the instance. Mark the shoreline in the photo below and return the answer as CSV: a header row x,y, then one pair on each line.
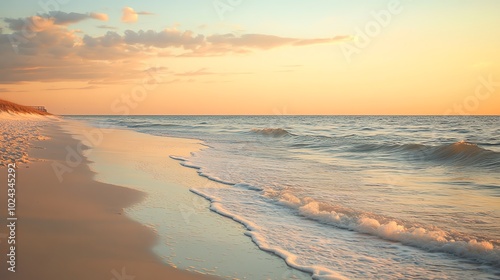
x,y
193,236
75,228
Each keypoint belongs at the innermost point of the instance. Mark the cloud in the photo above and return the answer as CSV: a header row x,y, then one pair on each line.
x,y
62,18
107,27
144,13
199,45
99,16
50,51
79,88
129,15
54,53
199,72
164,39
264,42
205,72
30,24
45,21
217,45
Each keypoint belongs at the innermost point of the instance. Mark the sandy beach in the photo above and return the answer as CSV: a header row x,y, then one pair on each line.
x,y
249,140
74,228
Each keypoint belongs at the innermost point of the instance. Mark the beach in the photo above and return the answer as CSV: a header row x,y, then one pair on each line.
x,y
74,228
192,236
86,197
249,140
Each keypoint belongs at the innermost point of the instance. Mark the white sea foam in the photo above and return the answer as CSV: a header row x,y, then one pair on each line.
x,y
184,162
430,239
318,248
254,232
178,158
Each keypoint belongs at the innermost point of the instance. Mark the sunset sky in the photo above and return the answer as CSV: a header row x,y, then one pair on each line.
x,y
252,56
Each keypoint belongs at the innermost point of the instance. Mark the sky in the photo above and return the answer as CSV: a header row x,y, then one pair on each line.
x,y
256,57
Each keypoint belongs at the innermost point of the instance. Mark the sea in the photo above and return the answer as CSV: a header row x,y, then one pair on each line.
x,y
355,197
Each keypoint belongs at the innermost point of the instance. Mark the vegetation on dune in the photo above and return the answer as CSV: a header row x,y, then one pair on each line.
x,y
6,106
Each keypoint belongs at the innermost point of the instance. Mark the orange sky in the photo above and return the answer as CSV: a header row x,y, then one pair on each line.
x,y
385,57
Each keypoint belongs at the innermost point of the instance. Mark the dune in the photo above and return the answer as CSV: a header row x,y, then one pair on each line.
x,y
13,108
19,126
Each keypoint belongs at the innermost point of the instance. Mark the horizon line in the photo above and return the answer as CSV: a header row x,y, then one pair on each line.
x,y
264,115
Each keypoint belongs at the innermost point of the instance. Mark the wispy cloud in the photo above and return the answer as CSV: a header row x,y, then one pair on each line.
x,y
199,72
79,88
292,65
99,16
144,13
206,72
43,21
107,27
262,41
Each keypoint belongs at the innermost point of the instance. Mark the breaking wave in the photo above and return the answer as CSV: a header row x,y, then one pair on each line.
x,y
432,239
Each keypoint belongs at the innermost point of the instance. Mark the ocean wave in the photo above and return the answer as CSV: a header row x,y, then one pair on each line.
x,y
147,125
254,232
461,153
273,132
431,239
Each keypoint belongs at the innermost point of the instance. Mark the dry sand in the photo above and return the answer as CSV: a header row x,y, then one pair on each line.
x,y
75,229
17,131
